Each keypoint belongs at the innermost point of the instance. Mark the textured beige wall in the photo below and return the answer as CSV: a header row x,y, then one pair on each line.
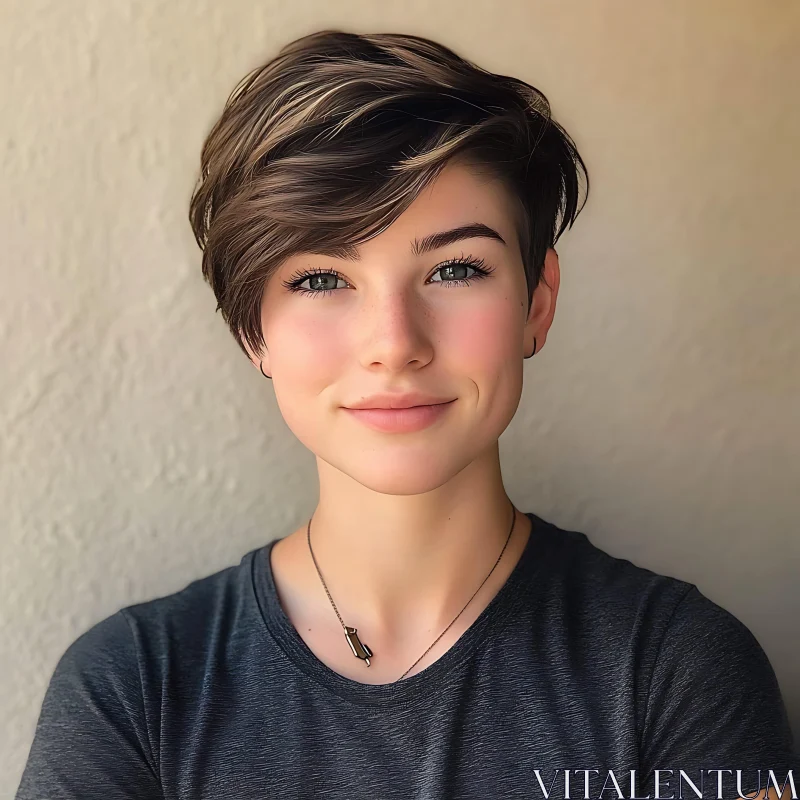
x,y
140,450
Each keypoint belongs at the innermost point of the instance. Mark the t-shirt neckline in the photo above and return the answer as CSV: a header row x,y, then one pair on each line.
x,y
421,684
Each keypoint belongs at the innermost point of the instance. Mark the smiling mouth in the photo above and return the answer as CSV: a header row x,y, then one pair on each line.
x,y
398,408
401,420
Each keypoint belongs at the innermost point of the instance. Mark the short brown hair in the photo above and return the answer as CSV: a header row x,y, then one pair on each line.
x,y
328,143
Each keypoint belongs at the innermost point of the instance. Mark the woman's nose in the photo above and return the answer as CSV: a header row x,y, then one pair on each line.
x,y
395,330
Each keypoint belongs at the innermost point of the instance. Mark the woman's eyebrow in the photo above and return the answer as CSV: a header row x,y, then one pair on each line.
x,y
419,247
443,238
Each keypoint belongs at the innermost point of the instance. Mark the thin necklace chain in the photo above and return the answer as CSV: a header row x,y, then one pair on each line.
x,y
508,539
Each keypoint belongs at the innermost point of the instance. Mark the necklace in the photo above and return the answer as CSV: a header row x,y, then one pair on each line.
x,y
359,649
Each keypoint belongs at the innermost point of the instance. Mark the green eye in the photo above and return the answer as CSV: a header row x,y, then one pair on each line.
x,y
321,282
456,273
324,281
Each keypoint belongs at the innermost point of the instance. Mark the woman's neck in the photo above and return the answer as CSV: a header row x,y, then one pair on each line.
x,y
416,632
397,565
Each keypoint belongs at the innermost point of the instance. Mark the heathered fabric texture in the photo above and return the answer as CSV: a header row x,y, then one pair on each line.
x,y
582,661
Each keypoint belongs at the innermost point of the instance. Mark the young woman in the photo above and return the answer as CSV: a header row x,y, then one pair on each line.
x,y
378,218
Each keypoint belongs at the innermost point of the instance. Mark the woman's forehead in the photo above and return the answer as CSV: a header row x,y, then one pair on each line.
x,y
458,205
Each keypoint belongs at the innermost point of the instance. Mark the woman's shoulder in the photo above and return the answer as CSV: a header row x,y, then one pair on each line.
x,y
208,595
181,621
577,565
690,660
596,589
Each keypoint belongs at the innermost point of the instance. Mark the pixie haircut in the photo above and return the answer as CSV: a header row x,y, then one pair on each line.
x,y
324,146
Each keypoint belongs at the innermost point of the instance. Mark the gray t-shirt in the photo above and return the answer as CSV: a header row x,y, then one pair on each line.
x,y
582,662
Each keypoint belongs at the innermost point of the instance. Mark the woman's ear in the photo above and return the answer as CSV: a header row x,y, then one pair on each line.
x,y
261,363
543,303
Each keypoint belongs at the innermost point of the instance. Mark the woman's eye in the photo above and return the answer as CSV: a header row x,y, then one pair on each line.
x,y
453,272
319,283
323,280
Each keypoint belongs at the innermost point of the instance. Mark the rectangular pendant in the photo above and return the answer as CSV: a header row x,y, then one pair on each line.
x,y
360,650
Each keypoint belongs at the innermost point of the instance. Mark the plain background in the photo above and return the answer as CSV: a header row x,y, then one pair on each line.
x,y
141,450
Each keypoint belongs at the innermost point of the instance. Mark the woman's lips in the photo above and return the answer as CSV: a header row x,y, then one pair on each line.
x,y
404,420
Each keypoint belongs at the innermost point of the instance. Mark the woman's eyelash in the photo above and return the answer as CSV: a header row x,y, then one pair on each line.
x,y
480,268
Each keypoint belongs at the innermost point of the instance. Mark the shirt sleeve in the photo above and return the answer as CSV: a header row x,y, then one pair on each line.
x,y
91,737
714,704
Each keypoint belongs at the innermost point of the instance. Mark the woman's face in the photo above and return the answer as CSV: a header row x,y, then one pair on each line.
x,y
398,321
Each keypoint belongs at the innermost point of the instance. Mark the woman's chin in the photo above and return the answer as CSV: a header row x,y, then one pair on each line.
x,y
399,474
399,485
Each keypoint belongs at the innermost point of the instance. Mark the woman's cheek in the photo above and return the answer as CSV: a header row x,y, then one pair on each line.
x,y
310,350
487,338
